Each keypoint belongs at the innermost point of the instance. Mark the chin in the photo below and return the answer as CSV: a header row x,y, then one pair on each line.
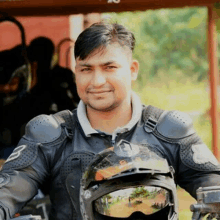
x,y
103,108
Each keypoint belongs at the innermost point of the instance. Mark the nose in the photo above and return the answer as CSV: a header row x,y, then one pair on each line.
x,y
98,79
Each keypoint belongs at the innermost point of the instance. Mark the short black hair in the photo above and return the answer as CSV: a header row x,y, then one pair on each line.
x,y
100,35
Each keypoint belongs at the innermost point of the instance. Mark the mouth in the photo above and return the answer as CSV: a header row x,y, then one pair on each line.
x,y
100,91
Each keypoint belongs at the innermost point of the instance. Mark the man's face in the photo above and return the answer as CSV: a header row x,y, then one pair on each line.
x,y
104,78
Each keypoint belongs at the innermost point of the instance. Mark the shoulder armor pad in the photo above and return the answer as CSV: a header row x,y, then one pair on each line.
x,y
43,129
175,125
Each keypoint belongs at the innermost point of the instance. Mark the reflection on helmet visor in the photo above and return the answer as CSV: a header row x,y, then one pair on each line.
x,y
122,203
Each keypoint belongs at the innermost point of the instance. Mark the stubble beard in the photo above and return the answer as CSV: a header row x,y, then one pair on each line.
x,y
103,109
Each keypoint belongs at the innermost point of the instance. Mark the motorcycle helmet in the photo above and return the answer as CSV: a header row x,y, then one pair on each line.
x,y
128,182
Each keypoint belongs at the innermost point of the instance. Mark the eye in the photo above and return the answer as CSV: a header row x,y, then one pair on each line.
x,y
85,69
111,67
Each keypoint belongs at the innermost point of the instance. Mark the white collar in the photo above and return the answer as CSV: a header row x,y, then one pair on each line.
x,y
88,129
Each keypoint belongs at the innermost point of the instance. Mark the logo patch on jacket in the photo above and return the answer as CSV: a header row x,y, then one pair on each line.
x,y
202,154
22,156
16,153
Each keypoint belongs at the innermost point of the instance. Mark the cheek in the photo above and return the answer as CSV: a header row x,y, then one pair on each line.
x,y
123,80
122,86
79,87
81,83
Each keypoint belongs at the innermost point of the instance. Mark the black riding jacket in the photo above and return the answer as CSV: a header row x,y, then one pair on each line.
x,y
55,146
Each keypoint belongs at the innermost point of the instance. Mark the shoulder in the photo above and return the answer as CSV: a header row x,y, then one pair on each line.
x,y
39,132
43,129
48,128
170,124
175,124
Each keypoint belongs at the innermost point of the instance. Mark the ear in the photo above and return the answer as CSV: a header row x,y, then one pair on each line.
x,y
134,69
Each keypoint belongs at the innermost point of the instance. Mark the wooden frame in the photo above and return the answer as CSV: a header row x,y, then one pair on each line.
x,y
67,7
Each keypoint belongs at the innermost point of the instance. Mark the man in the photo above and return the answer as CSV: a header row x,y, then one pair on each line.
x,y
56,149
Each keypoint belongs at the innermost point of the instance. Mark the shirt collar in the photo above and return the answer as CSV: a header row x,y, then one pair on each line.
x,y
88,129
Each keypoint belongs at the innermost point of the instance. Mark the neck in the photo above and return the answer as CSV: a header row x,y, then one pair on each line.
x,y
108,121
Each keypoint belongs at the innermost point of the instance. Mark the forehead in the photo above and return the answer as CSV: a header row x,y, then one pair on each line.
x,y
113,52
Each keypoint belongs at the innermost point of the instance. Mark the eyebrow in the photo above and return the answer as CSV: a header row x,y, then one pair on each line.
x,y
108,63
85,64
103,64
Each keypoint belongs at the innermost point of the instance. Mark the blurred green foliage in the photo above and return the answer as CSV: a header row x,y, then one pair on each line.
x,y
171,41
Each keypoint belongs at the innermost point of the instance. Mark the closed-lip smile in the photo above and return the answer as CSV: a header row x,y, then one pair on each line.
x,y
99,91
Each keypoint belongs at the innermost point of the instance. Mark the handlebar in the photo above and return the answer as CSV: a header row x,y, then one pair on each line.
x,y
208,203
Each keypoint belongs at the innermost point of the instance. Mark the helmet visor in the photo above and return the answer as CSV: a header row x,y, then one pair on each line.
x,y
124,202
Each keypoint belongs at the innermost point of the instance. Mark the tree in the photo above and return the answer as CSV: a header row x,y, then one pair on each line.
x,y
139,192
